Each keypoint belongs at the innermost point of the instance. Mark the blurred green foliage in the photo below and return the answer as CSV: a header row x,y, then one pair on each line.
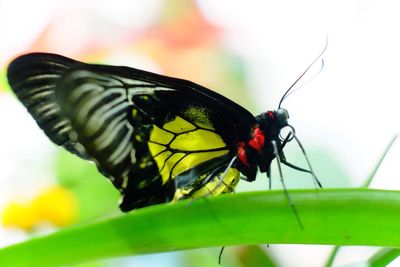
x,y
254,256
208,258
97,197
233,256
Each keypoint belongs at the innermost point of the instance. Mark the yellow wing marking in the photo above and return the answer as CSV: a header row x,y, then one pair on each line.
x,y
179,125
155,149
134,112
160,136
187,141
169,166
199,116
197,140
195,159
161,158
213,188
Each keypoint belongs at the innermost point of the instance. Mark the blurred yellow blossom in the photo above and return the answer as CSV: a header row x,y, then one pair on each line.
x,y
19,216
56,205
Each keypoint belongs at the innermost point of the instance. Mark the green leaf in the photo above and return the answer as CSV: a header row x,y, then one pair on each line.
x,y
330,216
368,181
383,257
371,176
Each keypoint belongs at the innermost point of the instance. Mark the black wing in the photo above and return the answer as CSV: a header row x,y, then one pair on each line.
x,y
150,134
33,78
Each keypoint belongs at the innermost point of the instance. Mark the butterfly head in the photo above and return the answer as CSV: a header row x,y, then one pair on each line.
x,y
282,117
271,123
257,151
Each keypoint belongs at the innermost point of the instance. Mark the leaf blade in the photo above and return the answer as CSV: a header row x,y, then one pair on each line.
x,y
330,216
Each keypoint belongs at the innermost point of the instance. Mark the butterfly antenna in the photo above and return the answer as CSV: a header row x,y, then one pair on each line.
x,y
278,161
318,183
307,81
289,90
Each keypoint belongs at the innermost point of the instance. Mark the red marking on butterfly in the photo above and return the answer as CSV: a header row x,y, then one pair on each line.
x,y
242,155
257,142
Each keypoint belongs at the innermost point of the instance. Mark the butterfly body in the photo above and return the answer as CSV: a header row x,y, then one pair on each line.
x,y
257,151
158,139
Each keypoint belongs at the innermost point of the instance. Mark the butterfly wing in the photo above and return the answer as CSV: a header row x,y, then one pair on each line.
x,y
157,138
33,78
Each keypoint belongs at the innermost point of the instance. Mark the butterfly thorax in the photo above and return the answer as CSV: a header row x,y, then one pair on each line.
x,y
257,151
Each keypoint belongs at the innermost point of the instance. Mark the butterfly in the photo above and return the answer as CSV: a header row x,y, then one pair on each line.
x,y
157,139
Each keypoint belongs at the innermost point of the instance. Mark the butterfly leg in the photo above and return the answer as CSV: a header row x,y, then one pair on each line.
x,y
307,160
269,178
278,161
291,135
221,180
290,165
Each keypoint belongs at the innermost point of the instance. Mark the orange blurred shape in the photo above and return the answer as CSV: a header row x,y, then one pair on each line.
x,y
56,205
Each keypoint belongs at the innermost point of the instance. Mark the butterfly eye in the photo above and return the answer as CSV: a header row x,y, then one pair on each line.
x,y
282,117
